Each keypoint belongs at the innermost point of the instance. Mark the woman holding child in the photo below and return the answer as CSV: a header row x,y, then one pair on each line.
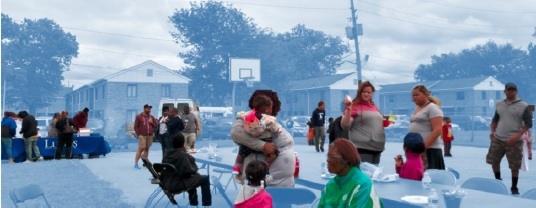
x,y
282,168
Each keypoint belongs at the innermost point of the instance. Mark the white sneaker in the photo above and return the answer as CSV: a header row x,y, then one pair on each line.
x,y
27,161
40,158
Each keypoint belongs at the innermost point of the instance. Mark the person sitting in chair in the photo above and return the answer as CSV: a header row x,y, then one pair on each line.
x,y
187,178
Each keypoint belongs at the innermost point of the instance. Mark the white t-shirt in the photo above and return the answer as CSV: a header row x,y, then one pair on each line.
x,y
420,122
246,192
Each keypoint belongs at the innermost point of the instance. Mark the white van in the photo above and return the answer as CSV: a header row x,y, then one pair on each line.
x,y
179,104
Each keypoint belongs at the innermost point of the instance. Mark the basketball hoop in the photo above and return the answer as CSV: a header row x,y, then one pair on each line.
x,y
249,81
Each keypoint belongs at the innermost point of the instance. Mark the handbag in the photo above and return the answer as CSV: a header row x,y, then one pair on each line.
x,y
68,129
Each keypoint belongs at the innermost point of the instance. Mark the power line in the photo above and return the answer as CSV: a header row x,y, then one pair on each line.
x,y
118,34
107,51
443,20
481,10
288,7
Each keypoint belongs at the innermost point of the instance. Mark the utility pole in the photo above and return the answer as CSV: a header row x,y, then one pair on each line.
x,y
355,34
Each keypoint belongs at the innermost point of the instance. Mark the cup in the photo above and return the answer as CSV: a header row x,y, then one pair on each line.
x,y
451,200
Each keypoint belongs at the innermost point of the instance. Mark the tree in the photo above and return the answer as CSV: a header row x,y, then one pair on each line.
x,y
35,54
213,32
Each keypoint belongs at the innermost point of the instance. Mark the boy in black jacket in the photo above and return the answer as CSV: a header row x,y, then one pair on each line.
x,y
188,178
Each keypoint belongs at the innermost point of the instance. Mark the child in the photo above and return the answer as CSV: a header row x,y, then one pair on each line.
x,y
528,138
413,148
259,124
447,136
310,133
253,194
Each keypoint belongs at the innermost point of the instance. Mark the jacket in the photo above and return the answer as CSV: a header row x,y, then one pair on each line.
x,y
80,120
174,125
186,177
9,127
144,126
413,167
318,118
29,126
336,131
60,125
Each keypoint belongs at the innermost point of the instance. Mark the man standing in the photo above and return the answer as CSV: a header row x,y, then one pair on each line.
x,y
162,132
174,124
318,120
80,119
144,125
9,130
190,128
29,132
506,131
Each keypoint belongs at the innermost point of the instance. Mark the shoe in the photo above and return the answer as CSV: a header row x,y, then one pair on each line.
x,y
515,191
322,149
27,161
40,158
236,170
136,166
317,150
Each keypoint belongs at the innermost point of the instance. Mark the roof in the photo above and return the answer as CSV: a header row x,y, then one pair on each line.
x,y
316,82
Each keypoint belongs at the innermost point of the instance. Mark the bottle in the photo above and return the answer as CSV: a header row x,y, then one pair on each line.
x,y
426,181
323,168
433,199
297,166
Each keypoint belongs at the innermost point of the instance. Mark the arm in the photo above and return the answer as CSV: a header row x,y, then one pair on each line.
x,y
239,135
445,131
363,196
13,128
25,126
494,122
436,123
136,124
527,119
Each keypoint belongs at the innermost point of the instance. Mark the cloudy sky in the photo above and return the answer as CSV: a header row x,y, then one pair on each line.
x,y
398,35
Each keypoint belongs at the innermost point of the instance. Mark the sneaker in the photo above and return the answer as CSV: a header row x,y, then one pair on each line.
x,y
27,161
322,149
236,170
136,166
40,158
515,191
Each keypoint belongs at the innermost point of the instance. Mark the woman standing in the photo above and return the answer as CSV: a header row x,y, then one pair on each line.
x,y
53,131
427,120
282,168
365,124
64,138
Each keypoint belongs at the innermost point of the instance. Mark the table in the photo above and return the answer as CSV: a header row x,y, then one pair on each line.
x,y
391,192
94,145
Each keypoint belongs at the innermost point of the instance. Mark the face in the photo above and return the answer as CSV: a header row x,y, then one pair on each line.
x,y
419,98
147,110
334,158
366,94
510,93
186,110
268,109
165,113
322,107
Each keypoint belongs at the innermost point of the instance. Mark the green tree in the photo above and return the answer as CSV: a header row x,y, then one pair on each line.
x,y
213,32
35,53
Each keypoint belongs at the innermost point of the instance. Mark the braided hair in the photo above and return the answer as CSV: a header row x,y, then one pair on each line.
x,y
256,172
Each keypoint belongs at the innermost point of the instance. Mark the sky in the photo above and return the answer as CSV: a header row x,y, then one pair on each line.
x,y
398,35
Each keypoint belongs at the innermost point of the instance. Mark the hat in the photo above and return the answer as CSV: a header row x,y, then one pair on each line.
x,y
147,106
86,110
412,139
510,85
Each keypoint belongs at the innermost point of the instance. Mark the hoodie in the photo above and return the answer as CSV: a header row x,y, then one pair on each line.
x,y
186,176
29,125
9,127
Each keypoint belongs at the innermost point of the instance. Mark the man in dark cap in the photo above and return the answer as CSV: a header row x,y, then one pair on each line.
x,y
144,125
511,120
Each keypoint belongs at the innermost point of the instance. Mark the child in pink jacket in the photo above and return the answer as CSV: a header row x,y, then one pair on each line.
x,y
413,168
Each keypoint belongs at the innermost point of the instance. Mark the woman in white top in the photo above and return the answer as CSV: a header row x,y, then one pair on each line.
x,y
427,120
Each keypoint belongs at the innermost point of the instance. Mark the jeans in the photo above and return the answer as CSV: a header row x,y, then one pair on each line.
x,y
6,146
67,141
29,144
164,141
206,197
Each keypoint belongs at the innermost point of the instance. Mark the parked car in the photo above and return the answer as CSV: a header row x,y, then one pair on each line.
x,y
95,125
300,127
217,128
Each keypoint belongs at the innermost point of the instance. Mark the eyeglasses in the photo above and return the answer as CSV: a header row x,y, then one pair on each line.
x,y
332,157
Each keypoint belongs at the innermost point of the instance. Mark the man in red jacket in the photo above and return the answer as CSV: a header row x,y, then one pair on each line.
x,y
144,125
80,119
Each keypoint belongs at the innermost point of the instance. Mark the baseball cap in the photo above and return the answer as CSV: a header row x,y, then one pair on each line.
x,y
510,85
147,106
412,139
86,110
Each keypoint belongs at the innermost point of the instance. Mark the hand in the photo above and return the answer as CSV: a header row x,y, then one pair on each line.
x,y
269,148
491,136
511,141
347,103
399,161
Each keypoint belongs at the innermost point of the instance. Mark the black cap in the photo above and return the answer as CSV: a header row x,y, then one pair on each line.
x,y
510,85
147,106
86,110
412,139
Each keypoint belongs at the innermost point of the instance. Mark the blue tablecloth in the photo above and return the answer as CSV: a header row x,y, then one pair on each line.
x,y
94,145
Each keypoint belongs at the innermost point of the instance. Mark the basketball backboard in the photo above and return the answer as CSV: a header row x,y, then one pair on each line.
x,y
241,68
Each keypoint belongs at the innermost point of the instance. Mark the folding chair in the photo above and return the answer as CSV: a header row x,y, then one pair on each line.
x,y
217,185
21,194
156,171
485,184
222,171
531,194
453,171
444,177
286,197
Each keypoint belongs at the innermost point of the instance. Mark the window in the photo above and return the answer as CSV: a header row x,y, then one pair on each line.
x,y
102,92
166,90
392,98
131,115
460,95
149,72
132,90
498,95
483,95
